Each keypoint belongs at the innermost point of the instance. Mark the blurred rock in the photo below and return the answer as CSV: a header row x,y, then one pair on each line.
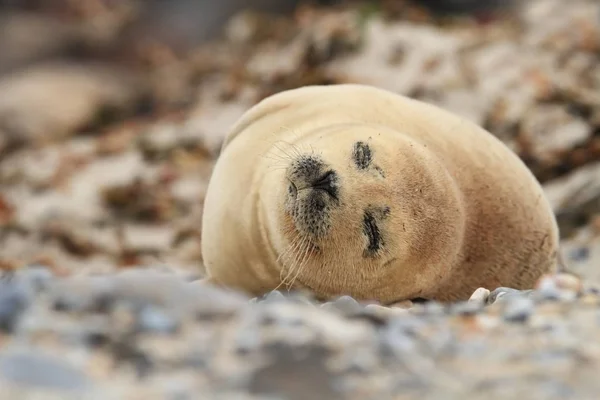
x,y
50,101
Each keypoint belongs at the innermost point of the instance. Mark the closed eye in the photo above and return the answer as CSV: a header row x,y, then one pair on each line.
x,y
372,232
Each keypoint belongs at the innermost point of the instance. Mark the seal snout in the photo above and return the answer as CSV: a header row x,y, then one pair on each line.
x,y
313,189
310,172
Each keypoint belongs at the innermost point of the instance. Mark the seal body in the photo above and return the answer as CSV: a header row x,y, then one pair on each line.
x,y
351,189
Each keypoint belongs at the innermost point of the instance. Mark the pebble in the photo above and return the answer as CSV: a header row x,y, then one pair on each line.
x,y
34,369
38,277
518,308
466,307
154,320
480,295
502,293
274,296
579,254
14,300
343,304
559,287
384,312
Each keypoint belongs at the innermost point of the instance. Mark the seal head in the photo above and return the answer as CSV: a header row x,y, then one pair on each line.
x,y
365,215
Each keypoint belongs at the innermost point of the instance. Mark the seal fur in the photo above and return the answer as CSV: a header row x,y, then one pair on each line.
x,y
352,189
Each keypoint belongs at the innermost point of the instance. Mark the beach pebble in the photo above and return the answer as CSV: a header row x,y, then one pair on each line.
x,y
480,295
14,300
518,308
343,304
33,369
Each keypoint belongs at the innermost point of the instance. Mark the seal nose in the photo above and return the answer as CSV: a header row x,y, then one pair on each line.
x,y
326,183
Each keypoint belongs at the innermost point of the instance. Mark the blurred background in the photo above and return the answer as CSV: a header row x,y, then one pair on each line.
x,y
112,112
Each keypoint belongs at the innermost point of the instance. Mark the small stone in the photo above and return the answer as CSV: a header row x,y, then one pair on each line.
x,y
565,287
434,308
480,295
273,296
36,276
466,307
518,308
33,369
294,374
590,299
385,312
504,293
344,304
547,289
569,282
405,304
83,294
154,320
579,254
14,300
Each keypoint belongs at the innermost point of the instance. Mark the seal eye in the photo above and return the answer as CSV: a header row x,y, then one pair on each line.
x,y
371,230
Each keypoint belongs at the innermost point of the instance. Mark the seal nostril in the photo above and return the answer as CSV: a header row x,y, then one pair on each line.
x,y
292,189
326,183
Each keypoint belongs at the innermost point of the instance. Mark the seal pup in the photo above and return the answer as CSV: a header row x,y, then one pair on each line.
x,y
354,190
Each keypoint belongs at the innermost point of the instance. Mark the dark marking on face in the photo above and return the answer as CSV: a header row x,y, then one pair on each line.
x,y
371,219
371,230
362,155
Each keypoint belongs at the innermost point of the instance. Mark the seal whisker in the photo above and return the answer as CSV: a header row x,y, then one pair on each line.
x,y
297,260
286,252
303,263
271,154
283,151
284,269
290,250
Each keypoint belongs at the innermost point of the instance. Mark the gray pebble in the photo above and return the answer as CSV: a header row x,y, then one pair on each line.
x,y
154,320
548,290
274,296
518,308
14,300
38,370
579,254
431,309
344,304
505,293
36,276
466,308
294,374
93,293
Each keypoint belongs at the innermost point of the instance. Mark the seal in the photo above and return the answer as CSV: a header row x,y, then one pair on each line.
x,y
354,190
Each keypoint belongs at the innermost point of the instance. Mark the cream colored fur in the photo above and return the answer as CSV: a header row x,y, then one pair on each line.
x,y
465,212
